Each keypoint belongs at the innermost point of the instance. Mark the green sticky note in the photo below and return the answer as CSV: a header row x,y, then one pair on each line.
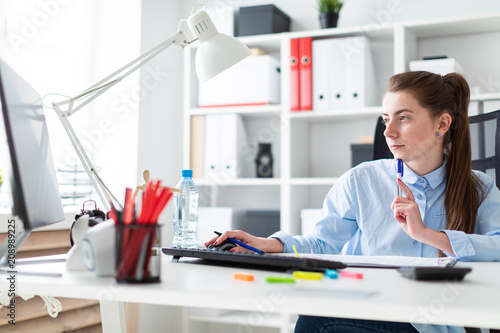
x,y
280,279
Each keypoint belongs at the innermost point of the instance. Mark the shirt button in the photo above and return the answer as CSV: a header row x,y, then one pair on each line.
x,y
415,242
419,196
421,180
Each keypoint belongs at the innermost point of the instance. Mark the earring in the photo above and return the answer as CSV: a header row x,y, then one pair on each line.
x,y
438,135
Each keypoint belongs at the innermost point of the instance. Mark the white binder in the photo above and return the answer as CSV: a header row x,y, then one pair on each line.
x,y
360,77
328,75
225,135
343,76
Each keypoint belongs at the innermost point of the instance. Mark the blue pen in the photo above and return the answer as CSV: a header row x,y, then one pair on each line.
x,y
237,242
400,175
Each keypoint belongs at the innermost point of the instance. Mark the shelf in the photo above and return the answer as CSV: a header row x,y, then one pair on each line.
x,y
380,32
76,195
454,26
261,110
268,181
270,320
345,114
485,97
239,182
270,43
314,181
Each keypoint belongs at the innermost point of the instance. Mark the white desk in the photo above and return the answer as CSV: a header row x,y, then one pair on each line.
x,y
382,295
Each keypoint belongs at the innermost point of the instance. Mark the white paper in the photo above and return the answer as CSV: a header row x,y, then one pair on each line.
x,y
380,261
386,261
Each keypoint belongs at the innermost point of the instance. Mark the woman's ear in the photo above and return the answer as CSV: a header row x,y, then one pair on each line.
x,y
444,123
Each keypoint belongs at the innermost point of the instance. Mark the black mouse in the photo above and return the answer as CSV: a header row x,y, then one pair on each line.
x,y
224,246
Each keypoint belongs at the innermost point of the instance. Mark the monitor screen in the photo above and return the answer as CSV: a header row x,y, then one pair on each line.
x,y
29,168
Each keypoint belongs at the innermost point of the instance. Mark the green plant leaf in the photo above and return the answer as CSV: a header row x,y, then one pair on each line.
x,y
330,6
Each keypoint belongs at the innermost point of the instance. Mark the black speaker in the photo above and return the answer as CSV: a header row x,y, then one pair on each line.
x,y
264,161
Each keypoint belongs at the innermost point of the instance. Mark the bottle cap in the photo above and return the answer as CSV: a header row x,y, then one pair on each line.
x,y
187,173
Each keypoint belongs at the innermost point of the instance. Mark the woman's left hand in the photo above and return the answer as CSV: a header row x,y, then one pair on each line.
x,y
407,214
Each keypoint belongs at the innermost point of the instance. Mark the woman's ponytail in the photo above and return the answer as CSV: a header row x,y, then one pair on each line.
x,y
463,189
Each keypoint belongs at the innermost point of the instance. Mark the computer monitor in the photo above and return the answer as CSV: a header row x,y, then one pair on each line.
x,y
28,167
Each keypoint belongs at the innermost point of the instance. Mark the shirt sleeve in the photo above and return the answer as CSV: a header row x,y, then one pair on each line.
x,y
484,244
336,226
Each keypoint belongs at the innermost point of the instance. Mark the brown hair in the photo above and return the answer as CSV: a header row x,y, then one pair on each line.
x,y
449,94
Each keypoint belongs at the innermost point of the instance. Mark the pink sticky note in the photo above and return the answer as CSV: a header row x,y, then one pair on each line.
x,y
351,275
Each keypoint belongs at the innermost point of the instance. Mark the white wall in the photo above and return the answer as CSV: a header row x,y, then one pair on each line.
x,y
64,47
160,124
160,121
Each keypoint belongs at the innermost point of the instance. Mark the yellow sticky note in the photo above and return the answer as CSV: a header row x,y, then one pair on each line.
x,y
307,275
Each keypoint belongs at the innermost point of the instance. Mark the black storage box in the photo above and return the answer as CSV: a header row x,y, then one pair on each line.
x,y
260,223
259,20
361,153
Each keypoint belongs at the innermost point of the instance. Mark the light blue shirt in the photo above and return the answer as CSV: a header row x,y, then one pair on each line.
x,y
357,212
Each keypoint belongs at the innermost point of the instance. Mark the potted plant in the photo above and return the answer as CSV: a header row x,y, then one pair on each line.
x,y
329,12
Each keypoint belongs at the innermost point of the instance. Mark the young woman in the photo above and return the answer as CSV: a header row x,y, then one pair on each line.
x,y
447,209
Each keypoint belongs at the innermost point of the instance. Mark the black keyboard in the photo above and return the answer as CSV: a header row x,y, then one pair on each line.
x,y
254,261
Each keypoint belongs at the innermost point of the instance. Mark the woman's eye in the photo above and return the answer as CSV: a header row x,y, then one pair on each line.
x,y
403,118
385,121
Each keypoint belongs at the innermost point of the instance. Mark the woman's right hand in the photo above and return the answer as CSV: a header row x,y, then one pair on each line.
x,y
268,245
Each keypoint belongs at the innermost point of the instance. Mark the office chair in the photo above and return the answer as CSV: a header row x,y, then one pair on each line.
x,y
380,148
485,143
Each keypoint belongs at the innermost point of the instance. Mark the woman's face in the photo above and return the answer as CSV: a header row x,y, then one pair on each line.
x,y
411,133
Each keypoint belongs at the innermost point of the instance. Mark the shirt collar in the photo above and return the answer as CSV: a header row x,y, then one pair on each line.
x,y
434,178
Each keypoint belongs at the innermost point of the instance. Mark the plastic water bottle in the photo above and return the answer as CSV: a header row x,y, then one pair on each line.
x,y
186,212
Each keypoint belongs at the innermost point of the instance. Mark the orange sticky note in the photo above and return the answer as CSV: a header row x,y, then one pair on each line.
x,y
244,277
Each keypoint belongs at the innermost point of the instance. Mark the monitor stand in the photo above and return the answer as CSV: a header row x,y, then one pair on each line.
x,y
8,261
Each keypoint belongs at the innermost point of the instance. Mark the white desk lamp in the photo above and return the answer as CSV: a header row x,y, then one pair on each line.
x,y
216,53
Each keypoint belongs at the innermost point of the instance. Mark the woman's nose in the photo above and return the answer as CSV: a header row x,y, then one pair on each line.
x,y
389,129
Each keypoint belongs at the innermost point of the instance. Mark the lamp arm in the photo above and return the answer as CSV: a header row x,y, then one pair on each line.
x,y
102,190
95,91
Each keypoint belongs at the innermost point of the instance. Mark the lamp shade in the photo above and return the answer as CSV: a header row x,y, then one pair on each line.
x,y
216,52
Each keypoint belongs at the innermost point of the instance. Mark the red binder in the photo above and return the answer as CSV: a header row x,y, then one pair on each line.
x,y
305,70
294,75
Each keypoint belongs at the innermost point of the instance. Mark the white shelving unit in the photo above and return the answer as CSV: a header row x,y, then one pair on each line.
x,y
314,147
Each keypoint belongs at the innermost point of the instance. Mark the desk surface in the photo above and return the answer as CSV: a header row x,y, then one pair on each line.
x,y
383,294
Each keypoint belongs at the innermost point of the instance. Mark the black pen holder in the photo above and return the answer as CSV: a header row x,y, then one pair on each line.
x,y
137,255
